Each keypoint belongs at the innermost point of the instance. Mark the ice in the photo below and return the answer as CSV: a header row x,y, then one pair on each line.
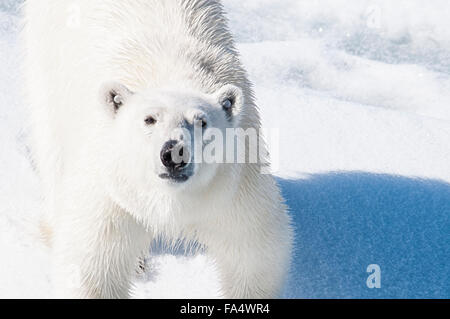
x,y
360,93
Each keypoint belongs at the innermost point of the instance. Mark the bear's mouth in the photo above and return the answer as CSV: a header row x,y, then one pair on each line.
x,y
177,178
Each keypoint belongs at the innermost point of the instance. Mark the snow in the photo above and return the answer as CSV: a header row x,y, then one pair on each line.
x,y
360,93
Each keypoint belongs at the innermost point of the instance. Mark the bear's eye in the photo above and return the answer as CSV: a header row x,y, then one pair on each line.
x,y
204,123
150,120
227,104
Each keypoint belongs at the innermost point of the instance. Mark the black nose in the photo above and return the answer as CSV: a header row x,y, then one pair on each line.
x,y
173,155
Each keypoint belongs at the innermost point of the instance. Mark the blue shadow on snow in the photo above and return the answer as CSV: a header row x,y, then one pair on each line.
x,y
347,221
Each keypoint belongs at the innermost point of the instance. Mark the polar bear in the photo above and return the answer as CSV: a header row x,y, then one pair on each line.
x,y
113,88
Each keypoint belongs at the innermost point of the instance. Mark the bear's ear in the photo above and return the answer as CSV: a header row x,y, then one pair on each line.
x,y
231,98
114,95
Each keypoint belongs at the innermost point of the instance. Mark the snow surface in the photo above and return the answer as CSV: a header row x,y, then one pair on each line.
x,y
360,93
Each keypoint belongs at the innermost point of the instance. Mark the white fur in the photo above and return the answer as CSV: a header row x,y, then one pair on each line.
x,y
103,200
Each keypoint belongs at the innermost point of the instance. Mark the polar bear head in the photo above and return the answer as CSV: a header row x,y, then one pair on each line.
x,y
158,136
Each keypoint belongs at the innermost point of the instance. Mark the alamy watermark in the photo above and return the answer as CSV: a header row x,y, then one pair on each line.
x,y
373,17
229,146
73,16
374,279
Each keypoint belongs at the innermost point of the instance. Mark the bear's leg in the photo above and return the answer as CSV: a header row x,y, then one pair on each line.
x,y
95,253
252,256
